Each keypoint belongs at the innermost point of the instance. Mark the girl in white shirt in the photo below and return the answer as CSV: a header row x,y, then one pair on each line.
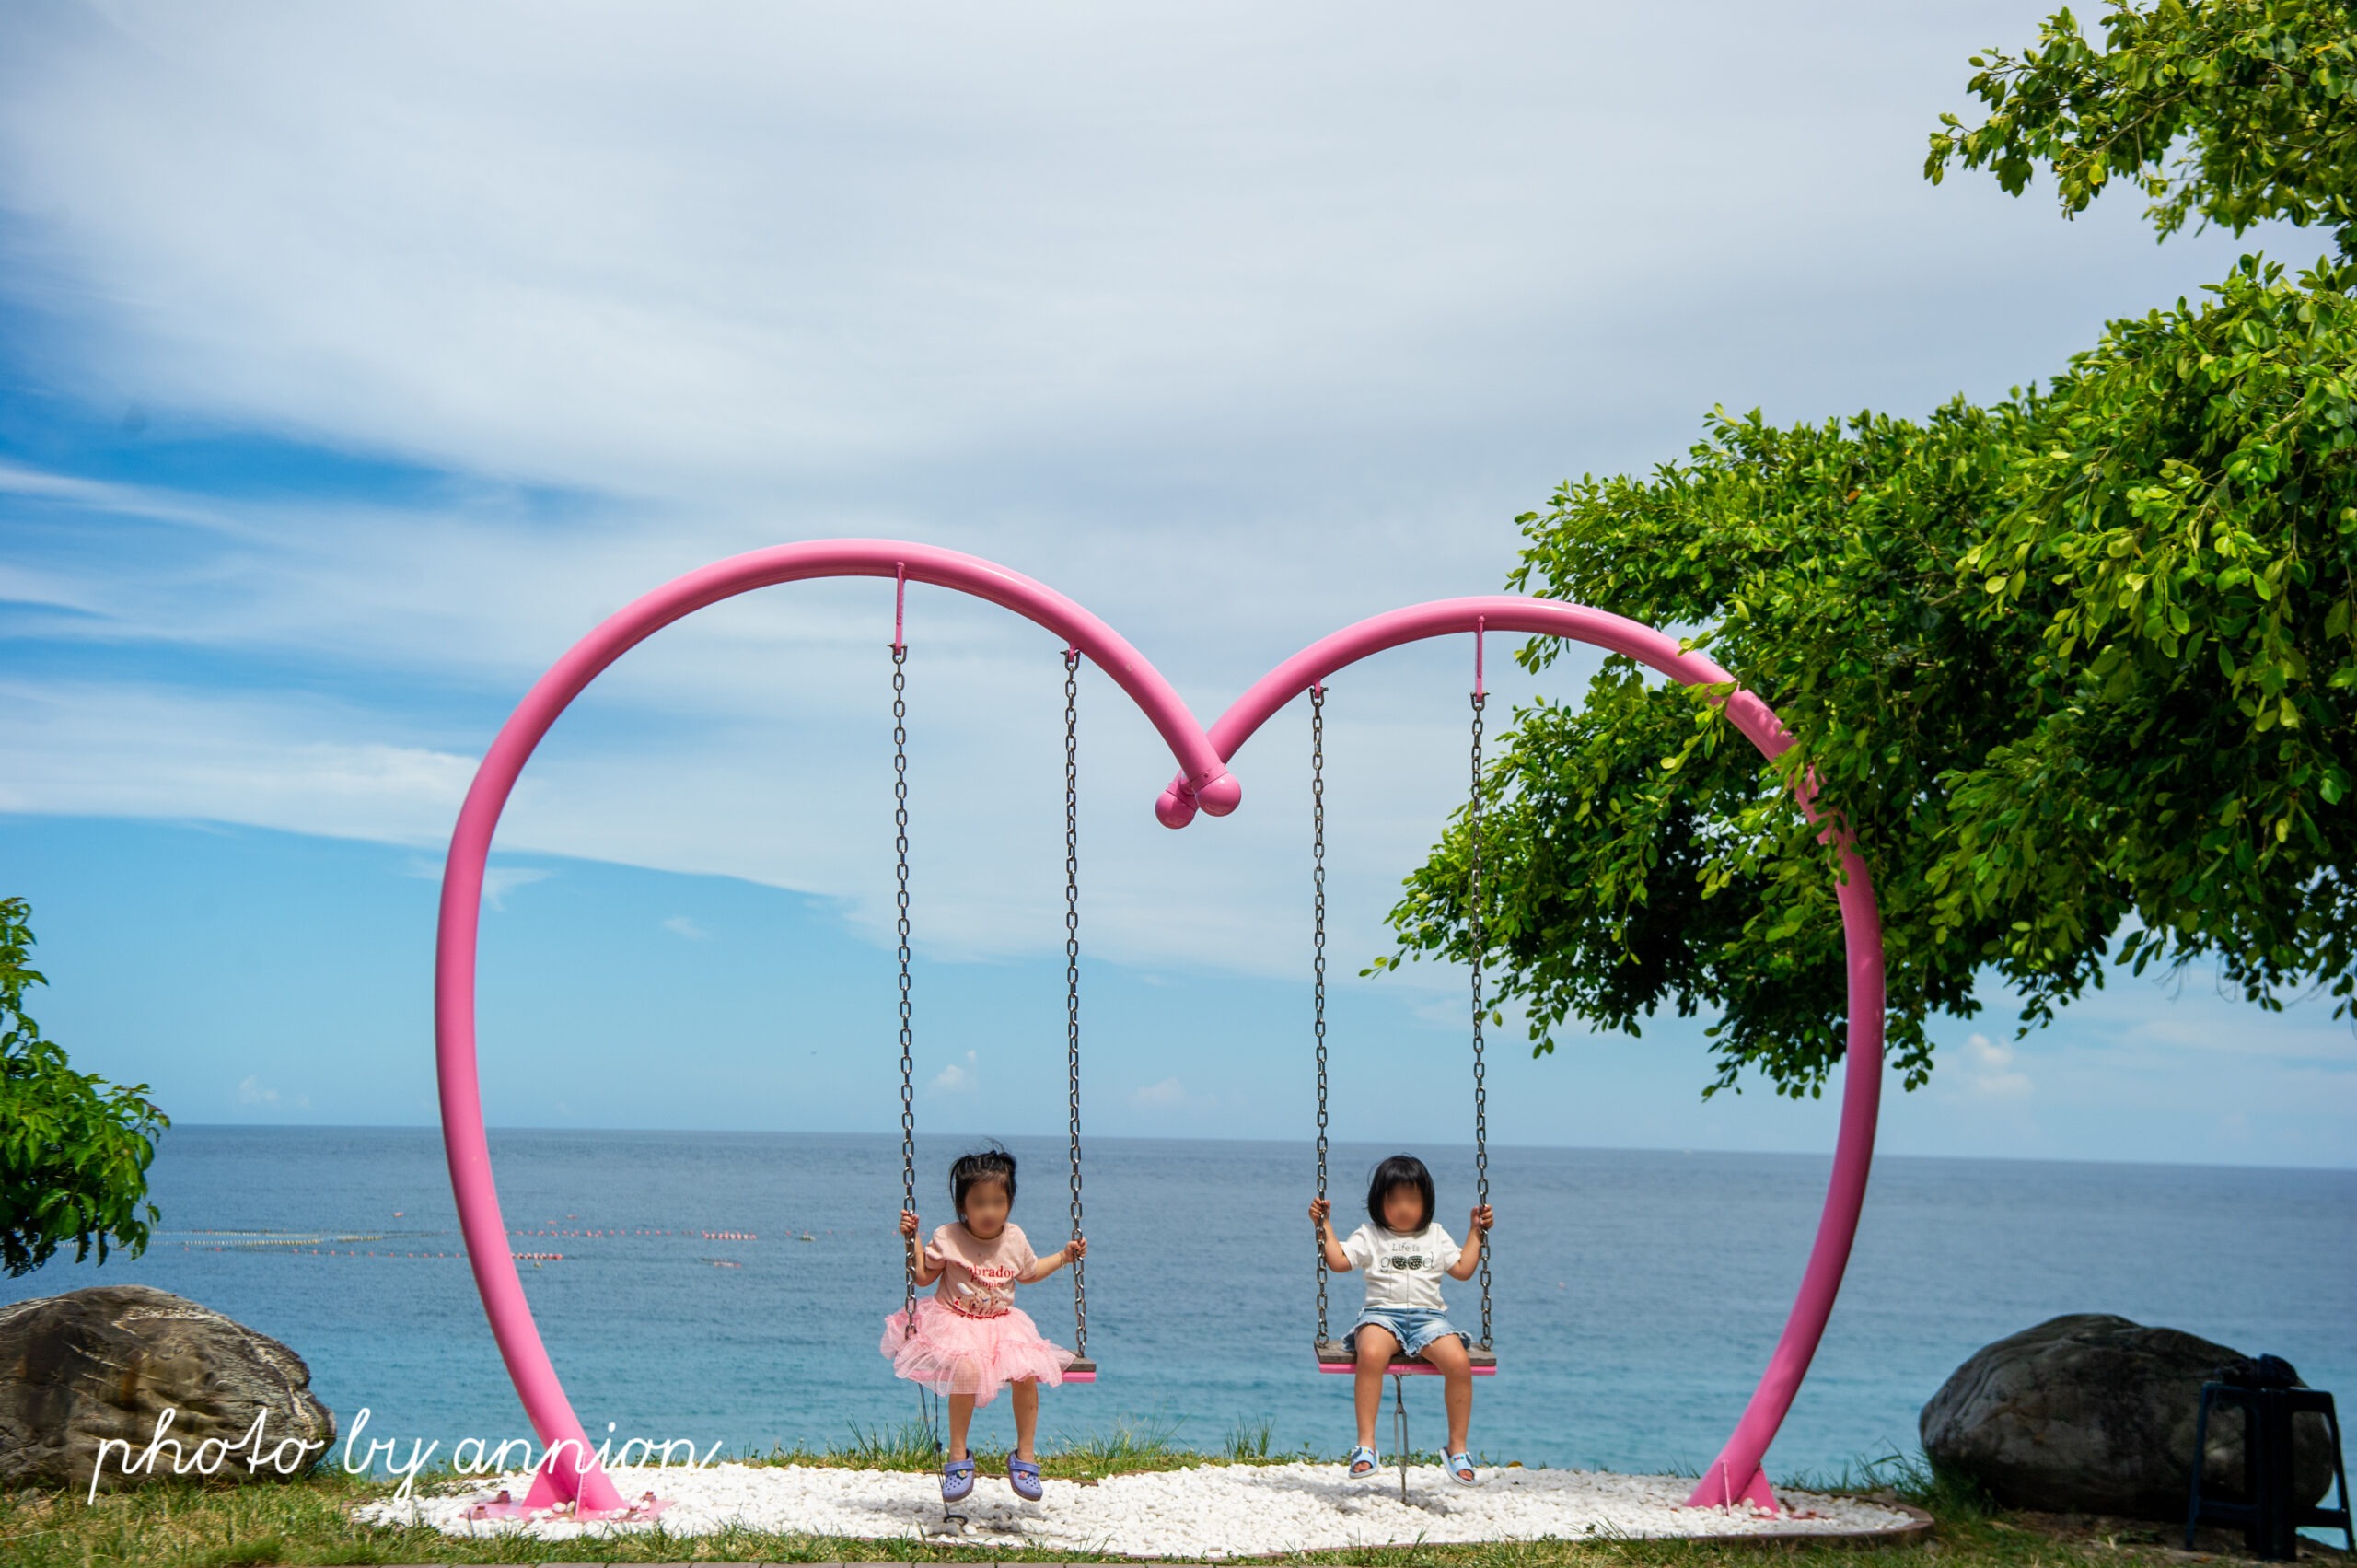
x,y
1404,1254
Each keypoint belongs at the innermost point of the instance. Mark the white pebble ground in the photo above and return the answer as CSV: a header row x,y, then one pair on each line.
x,y
1210,1511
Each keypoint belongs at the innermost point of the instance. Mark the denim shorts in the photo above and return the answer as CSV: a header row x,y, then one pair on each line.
x,y
1413,1327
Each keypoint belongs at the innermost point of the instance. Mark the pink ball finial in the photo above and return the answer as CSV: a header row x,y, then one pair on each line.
x,y
1221,796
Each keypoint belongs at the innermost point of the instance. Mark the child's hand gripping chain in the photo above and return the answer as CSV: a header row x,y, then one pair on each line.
x,y
968,1338
1403,1254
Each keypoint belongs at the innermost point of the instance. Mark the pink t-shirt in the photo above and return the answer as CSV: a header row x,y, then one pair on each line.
x,y
977,1276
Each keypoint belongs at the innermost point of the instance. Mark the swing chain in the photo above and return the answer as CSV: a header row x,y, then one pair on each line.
x,y
1481,935
1072,973
908,1034
1318,862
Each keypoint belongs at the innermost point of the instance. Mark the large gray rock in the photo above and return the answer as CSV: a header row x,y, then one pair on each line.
x,y
2094,1414
79,1369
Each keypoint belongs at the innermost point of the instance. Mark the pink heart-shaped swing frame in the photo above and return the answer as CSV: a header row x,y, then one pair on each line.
x,y
569,1471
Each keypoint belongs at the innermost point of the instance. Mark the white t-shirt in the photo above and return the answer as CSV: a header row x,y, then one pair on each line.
x,y
1403,1268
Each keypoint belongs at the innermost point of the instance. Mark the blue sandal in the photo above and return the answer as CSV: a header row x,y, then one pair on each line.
x,y
1023,1476
1363,1455
956,1479
1461,1470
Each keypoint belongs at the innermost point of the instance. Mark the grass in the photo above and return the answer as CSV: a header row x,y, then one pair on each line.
x,y
1249,1442
1909,1477
911,1445
308,1521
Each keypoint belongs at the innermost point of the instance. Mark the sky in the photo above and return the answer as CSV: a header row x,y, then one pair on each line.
x,y
353,363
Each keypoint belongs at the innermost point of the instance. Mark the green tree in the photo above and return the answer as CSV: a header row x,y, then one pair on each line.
x,y
2261,94
74,1149
2078,669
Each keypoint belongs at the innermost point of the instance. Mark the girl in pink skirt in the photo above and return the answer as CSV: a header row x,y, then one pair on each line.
x,y
968,1338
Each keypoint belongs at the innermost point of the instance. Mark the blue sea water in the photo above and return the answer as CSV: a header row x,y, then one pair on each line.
x,y
1637,1292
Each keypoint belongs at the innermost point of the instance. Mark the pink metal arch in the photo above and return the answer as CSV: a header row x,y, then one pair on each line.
x,y
1735,1474
570,1473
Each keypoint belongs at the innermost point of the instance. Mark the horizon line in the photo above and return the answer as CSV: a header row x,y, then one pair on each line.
x,y
1880,1157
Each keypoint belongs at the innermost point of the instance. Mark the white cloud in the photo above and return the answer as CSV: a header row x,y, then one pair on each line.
x,y
957,1079
499,272
1449,1007
1167,1095
778,775
279,761
2225,1026
256,1095
1988,1068
679,924
1233,334
498,882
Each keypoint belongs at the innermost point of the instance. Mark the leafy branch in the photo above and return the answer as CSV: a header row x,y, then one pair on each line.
x,y
74,1149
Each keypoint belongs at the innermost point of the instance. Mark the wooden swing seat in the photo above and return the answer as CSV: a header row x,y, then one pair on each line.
x,y
1081,1371
1333,1357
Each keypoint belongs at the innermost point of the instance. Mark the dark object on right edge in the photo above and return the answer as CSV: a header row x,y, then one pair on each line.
x,y
2094,1414
2267,1389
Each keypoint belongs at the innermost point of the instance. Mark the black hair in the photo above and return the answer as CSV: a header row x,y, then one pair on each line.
x,y
994,1164
1399,1170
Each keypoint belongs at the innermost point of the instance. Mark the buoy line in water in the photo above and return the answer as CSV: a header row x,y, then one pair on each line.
x,y
1207,1511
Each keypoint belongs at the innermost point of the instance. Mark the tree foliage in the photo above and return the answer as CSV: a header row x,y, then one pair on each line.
x,y
2078,668
74,1149
2261,93
2080,659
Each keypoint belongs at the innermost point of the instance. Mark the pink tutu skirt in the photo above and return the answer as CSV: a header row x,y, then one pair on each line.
x,y
952,1354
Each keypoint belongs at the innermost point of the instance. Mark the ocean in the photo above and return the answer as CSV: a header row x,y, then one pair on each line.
x,y
730,1287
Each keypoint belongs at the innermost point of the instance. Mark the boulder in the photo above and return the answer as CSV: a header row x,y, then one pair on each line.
x,y
2094,1414
103,1365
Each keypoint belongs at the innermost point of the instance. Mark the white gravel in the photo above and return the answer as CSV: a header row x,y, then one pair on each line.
x,y
1210,1511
